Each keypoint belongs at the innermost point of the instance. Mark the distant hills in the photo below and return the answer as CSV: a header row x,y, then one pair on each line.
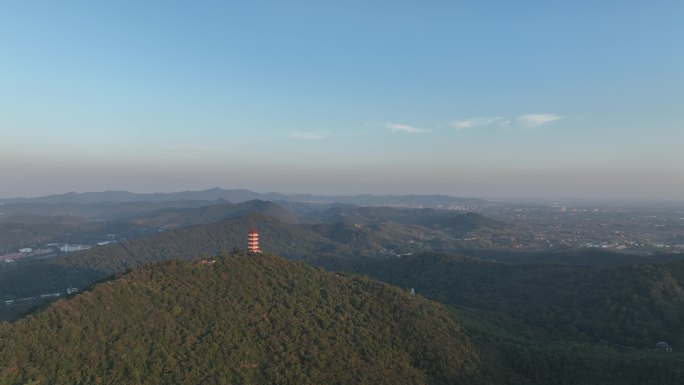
x,y
170,218
96,211
131,220
430,218
243,195
252,319
187,235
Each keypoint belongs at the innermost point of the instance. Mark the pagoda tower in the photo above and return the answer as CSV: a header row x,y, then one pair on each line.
x,y
253,241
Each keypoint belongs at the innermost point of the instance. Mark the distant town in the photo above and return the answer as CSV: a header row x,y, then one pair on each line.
x,y
640,230
625,229
48,250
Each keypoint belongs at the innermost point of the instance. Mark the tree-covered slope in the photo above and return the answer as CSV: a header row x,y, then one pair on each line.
x,y
635,306
252,319
83,268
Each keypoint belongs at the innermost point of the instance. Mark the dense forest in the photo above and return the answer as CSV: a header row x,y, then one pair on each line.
x,y
635,305
252,319
257,319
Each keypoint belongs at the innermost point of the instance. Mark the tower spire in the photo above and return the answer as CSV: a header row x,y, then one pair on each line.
x,y
253,241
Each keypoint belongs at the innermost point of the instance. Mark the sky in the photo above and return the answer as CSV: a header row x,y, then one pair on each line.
x,y
498,99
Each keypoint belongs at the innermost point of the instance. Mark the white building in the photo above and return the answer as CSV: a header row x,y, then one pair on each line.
x,y
72,248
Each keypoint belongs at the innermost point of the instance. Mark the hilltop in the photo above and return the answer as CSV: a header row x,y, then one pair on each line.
x,y
239,318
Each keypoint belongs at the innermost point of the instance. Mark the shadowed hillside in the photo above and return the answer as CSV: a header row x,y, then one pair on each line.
x,y
634,305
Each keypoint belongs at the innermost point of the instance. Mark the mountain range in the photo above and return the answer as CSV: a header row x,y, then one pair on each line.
x,y
242,195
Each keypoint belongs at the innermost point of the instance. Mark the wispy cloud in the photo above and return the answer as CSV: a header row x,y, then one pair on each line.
x,y
473,122
310,135
405,128
537,120
527,121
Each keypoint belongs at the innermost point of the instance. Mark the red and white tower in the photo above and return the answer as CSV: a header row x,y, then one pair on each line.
x,y
253,241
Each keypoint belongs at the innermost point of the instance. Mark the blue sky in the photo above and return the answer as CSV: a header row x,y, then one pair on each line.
x,y
547,99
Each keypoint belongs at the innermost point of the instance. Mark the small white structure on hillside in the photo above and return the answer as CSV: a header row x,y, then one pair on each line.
x,y
72,248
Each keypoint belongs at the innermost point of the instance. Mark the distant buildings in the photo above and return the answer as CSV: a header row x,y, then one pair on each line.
x,y
23,253
28,252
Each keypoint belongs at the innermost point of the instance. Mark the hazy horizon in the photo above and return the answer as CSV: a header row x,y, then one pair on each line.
x,y
524,100
579,201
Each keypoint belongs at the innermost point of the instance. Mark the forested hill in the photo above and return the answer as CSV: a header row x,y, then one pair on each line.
x,y
81,269
202,240
29,225
252,319
278,232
